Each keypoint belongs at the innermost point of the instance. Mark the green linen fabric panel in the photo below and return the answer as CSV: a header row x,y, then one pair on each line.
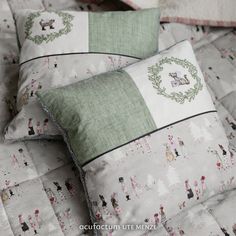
x,y
100,113
124,32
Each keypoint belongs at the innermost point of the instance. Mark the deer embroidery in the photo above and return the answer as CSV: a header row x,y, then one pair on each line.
x,y
178,80
45,24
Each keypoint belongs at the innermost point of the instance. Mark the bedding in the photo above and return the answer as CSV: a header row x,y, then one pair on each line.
x,y
162,104
201,12
40,190
84,5
49,158
106,42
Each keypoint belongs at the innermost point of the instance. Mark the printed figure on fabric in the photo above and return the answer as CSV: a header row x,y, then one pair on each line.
x,y
41,128
48,23
178,80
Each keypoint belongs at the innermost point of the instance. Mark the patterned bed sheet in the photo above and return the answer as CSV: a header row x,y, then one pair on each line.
x,y
39,185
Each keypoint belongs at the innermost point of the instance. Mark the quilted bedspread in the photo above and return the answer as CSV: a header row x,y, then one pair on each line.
x,y
39,185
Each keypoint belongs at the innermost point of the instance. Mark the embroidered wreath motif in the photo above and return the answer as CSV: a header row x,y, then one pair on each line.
x,y
180,97
38,39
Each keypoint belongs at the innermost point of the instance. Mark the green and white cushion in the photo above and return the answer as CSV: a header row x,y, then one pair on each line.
x,y
59,48
147,137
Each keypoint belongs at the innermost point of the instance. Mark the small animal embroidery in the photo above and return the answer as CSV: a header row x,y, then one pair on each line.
x,y
203,184
69,186
59,191
104,203
169,155
32,224
178,80
181,232
30,127
232,124
182,205
182,147
189,190
156,218
23,224
124,188
173,145
197,189
48,23
52,197
115,204
163,215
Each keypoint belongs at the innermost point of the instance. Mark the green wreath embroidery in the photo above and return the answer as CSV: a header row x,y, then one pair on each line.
x,y
180,97
38,39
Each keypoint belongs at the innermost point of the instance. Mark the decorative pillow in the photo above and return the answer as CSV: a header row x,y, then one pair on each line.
x,y
148,139
59,48
201,12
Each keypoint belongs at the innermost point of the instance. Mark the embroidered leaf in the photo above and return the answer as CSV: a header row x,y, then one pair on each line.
x,y
38,39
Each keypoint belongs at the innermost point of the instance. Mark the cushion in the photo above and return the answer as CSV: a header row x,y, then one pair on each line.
x,y
201,12
147,137
59,48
